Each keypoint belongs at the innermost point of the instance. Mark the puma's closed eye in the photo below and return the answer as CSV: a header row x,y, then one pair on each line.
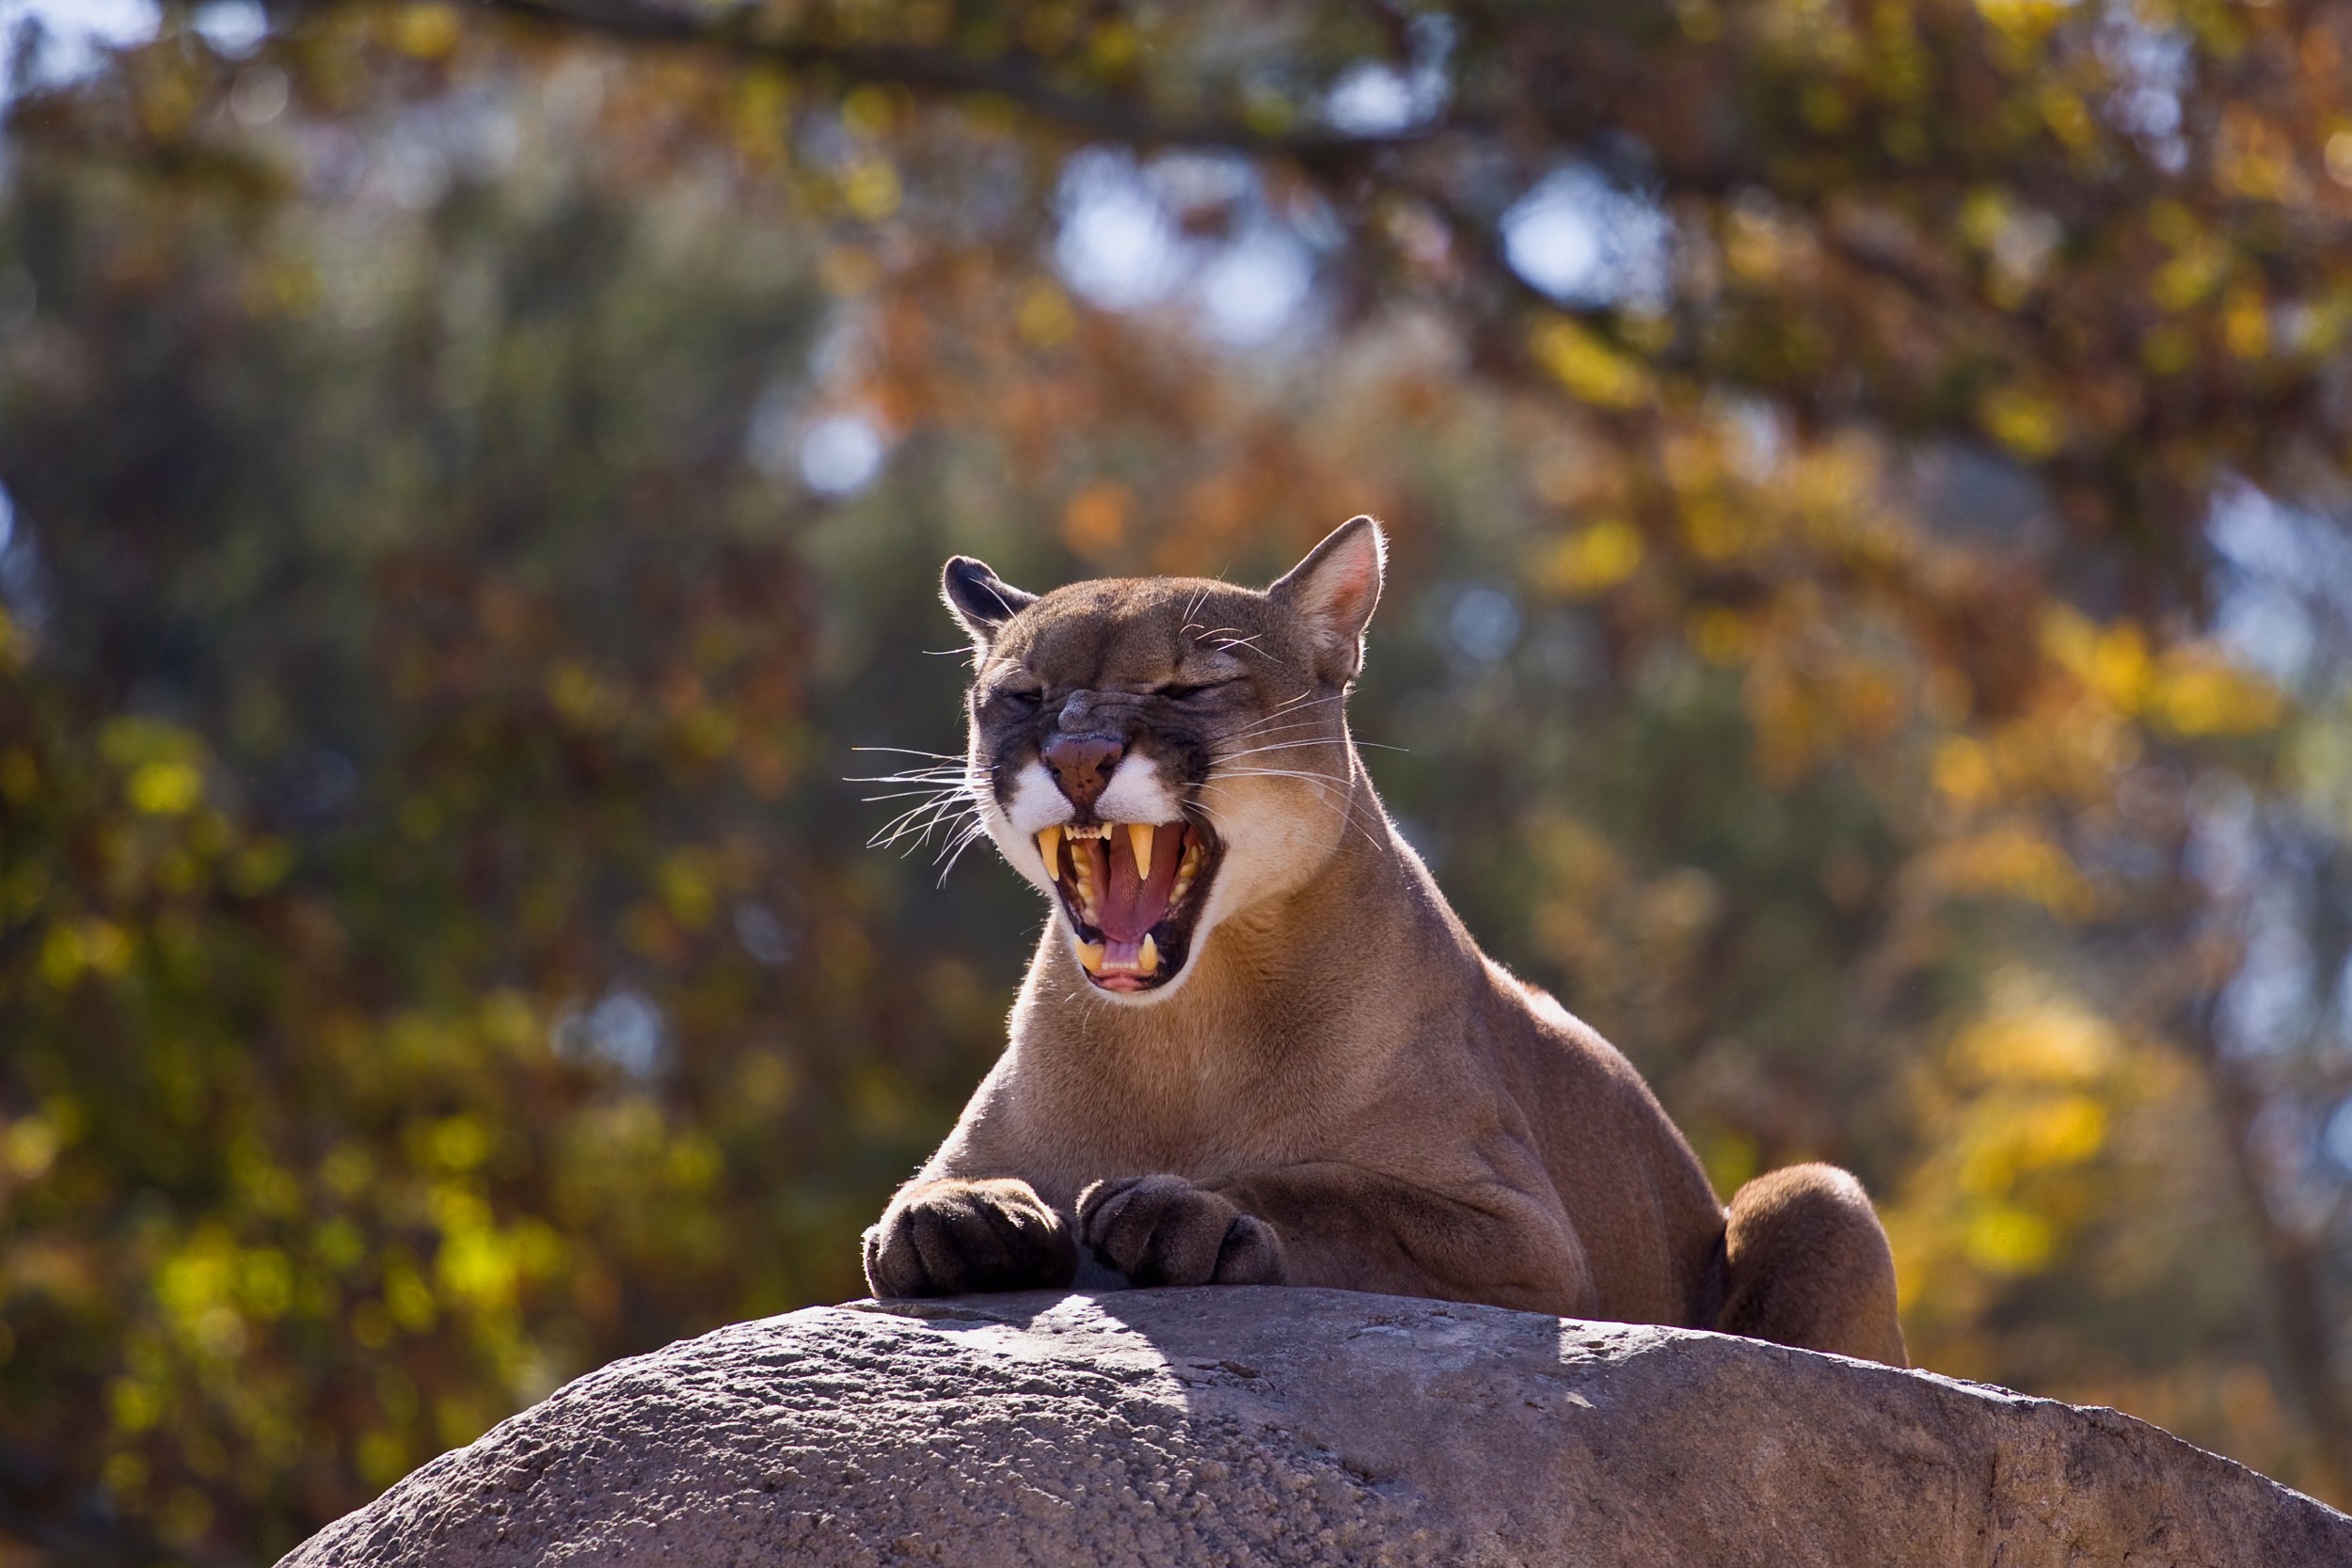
x,y
1178,692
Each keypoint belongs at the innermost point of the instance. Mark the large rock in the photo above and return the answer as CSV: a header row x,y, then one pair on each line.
x,y
1279,1426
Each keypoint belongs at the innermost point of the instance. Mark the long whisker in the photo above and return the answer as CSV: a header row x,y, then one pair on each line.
x,y
1292,702
971,836
890,832
1296,726
919,821
1224,757
1298,737
1297,705
957,839
919,832
929,792
1279,773
1316,781
1262,732
1265,730
953,825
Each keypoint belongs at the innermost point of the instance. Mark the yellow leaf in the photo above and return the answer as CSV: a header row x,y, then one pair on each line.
x,y
2045,1043
687,890
427,32
2030,423
2015,860
165,789
2197,694
2120,667
1593,559
29,1148
1045,318
1720,636
1964,771
2064,1132
2009,1239
867,111
260,866
1716,531
2024,23
1587,367
872,189
2245,323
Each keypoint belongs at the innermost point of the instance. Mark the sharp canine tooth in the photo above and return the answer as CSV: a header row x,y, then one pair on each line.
x,y
1090,954
1049,845
1139,837
1150,957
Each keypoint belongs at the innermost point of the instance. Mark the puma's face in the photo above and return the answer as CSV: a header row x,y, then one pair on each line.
x,y
1158,754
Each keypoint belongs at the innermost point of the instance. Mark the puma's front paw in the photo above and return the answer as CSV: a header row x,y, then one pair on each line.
x,y
1163,1230
950,1235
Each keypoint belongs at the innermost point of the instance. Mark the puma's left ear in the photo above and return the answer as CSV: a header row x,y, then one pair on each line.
x,y
1333,591
978,598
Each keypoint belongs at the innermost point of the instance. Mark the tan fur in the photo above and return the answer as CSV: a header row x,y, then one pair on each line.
x,y
1337,1088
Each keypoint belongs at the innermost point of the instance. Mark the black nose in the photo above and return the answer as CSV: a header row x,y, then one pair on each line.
x,y
1083,762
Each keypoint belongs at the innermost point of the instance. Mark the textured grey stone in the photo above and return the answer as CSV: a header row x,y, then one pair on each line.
x,y
1290,1426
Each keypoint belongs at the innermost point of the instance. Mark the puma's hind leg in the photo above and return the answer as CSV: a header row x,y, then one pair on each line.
x,y
1806,1264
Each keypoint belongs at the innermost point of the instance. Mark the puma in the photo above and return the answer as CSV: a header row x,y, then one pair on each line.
x,y
1255,1046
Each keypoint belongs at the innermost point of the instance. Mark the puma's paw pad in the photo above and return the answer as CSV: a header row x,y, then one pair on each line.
x,y
947,1237
1163,1230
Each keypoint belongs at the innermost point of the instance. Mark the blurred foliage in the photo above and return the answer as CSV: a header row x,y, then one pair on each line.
x,y
1866,627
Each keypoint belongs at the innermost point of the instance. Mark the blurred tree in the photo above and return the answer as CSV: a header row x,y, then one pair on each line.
x,y
1868,630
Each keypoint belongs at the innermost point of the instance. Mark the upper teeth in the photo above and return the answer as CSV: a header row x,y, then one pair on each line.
x,y
1142,842
1142,837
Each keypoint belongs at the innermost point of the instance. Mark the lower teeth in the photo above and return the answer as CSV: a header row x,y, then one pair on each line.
x,y
1094,955
1079,888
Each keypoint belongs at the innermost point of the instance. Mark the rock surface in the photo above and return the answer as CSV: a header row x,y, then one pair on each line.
x,y
1285,1426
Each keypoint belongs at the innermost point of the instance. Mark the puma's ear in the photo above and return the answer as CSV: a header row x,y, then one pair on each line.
x,y
979,599
1333,591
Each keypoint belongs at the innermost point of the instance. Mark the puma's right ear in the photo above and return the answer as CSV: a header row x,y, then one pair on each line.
x,y
981,599
1334,592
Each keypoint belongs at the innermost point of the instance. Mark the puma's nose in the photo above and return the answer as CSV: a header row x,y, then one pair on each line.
x,y
1083,763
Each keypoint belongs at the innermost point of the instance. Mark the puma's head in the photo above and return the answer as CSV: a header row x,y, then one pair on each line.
x,y
1159,753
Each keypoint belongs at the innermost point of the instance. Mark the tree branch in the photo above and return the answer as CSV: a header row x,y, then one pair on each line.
x,y
1013,77
2299,1288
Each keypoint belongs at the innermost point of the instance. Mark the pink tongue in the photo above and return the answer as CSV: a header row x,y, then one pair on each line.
x,y
1132,906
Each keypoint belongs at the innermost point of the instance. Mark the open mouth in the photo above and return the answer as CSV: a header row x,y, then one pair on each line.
x,y
1133,893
